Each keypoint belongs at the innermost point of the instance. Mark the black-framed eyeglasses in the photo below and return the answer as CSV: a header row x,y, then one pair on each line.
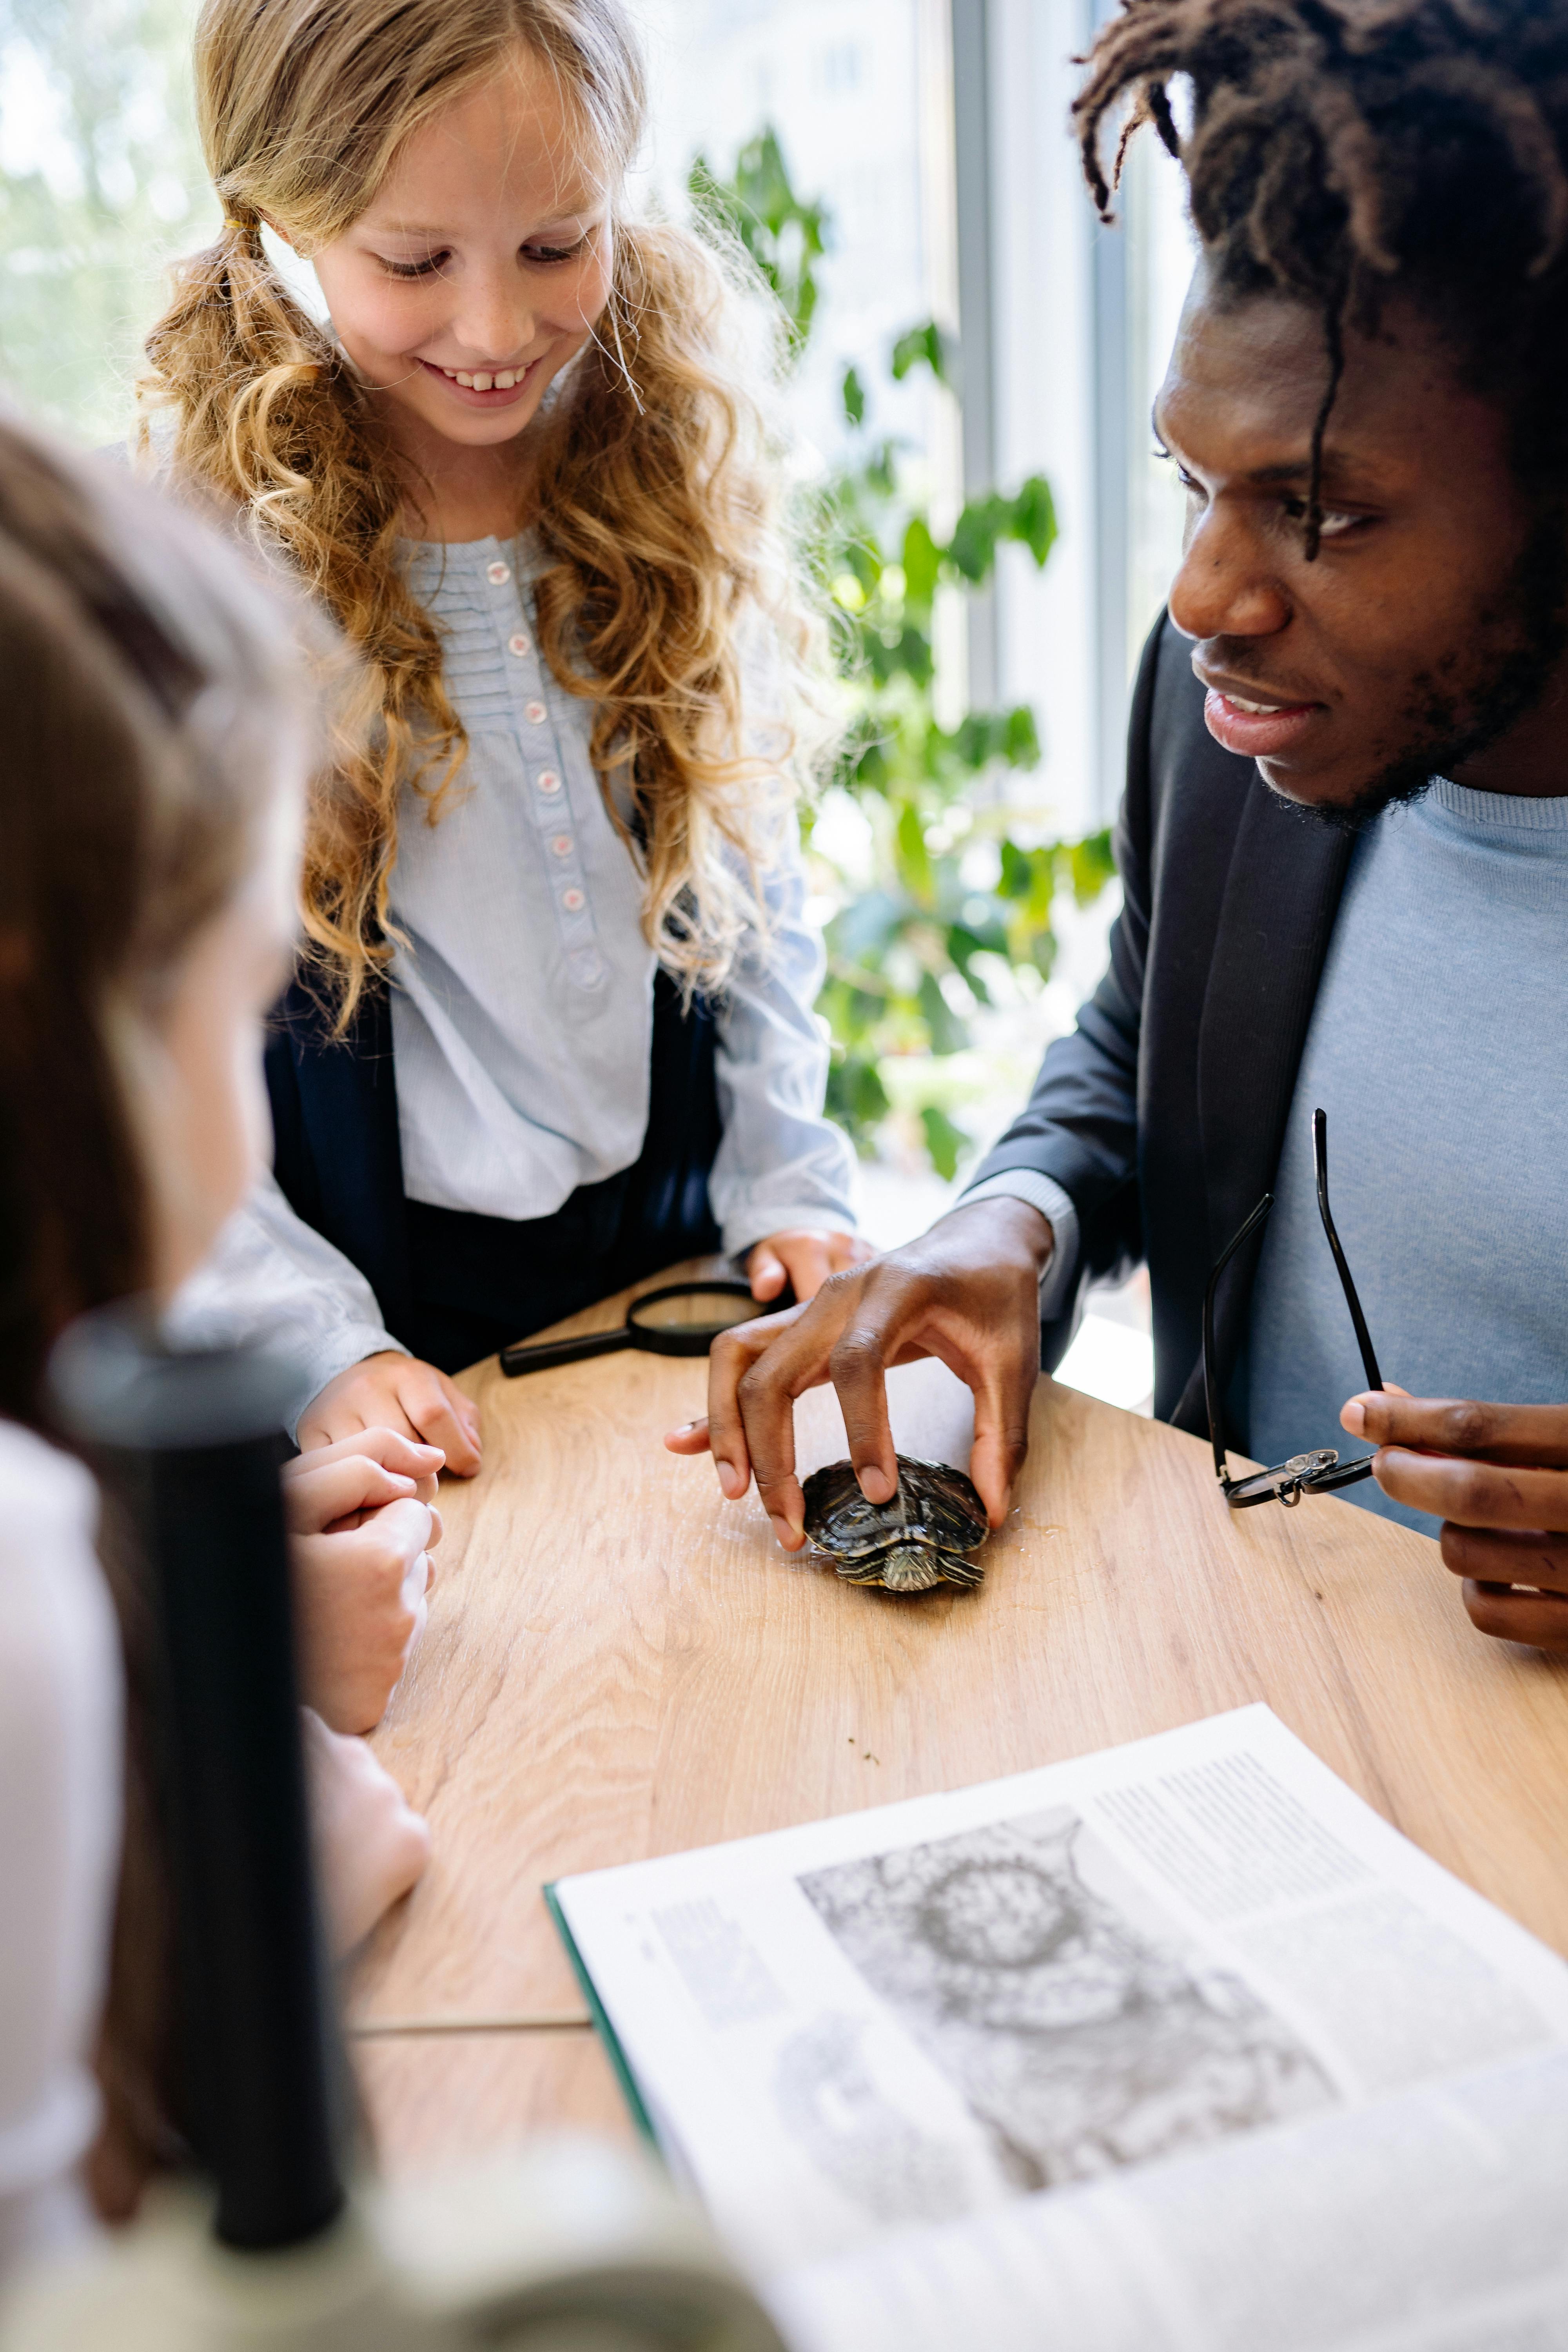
x,y
1320,1472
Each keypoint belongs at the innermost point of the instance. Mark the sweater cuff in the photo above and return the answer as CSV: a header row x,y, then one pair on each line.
x,y
1056,1206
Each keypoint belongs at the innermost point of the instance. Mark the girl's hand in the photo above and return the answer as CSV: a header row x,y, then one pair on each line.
x,y
361,1541
338,1486
371,1845
398,1392
804,1259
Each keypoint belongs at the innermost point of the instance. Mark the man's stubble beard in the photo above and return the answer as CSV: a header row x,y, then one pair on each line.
x,y
1517,644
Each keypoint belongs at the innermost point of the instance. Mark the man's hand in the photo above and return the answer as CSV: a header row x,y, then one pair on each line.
x,y
393,1391
967,1291
362,1538
804,1259
1497,1476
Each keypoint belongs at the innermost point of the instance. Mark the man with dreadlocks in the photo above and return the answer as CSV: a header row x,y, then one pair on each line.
x,y
1344,843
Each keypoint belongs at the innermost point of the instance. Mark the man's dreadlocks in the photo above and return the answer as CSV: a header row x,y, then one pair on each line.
x,y
1341,149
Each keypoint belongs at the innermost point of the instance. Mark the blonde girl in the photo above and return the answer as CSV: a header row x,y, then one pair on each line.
x,y
552,1025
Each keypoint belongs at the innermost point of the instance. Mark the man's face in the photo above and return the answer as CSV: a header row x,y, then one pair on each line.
x,y
1430,622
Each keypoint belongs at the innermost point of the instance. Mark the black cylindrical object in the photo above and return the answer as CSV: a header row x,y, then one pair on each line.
x,y
192,1442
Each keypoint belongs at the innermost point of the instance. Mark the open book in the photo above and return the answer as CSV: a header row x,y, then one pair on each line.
x,y
1179,2045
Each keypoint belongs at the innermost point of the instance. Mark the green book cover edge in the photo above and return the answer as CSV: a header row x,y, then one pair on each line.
x,y
602,2026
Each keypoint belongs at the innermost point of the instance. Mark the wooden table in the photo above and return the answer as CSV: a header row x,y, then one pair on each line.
x,y
618,1663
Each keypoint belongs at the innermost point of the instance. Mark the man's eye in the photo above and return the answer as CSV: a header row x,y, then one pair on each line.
x,y
1331,523
1193,488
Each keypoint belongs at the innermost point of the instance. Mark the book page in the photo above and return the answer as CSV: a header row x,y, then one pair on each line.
x,y
1432,2222
934,2008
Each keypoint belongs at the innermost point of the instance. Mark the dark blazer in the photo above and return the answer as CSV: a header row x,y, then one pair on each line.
x,y
1162,1115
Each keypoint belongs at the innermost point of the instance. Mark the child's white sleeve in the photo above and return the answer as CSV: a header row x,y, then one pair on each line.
x,y
781,1162
271,1276
60,1718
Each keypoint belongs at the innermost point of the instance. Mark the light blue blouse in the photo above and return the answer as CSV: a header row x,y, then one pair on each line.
x,y
522,1012
522,1005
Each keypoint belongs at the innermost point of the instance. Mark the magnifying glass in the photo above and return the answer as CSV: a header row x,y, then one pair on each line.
x,y
683,1319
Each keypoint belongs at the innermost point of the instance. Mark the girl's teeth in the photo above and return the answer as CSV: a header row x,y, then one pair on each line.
x,y
502,380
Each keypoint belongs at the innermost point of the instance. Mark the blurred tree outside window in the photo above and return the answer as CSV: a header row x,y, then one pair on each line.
x,y
101,185
936,865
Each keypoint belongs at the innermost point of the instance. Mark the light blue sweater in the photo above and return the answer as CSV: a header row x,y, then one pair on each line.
x,y
1438,1047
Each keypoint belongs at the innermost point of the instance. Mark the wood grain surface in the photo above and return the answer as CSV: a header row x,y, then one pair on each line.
x,y
619,1663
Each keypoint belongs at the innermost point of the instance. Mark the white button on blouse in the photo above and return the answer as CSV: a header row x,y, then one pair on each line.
x,y
550,782
519,645
498,575
535,713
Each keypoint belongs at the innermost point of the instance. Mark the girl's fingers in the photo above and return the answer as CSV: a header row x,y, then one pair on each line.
x,y
845,1250
805,1258
390,1447
442,1415
767,1270
338,1490
810,1263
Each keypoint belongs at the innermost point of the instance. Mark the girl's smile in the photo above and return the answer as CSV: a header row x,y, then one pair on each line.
x,y
487,388
476,274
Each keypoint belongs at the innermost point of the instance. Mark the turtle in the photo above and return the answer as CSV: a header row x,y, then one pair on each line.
x,y
911,1544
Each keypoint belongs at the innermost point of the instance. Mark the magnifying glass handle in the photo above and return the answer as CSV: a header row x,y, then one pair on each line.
x,y
544,1354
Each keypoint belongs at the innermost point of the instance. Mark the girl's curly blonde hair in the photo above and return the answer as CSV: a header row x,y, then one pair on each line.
x,y
654,494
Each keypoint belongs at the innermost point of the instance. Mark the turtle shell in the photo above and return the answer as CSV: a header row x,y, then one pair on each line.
x,y
908,1544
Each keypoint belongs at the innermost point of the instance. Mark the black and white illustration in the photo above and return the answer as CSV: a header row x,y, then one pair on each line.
x,y
1080,2026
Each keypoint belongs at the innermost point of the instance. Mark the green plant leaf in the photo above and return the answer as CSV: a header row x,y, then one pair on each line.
x,y
920,561
1033,518
856,1095
923,916
914,857
758,207
945,1142
923,346
1018,872
948,1034
962,946
1091,866
972,550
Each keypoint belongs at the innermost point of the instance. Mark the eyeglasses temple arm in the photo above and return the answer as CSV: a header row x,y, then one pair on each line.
x,y
1320,1164
1211,1377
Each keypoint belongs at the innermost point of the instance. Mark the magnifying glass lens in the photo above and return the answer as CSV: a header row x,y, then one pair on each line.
x,y
697,1313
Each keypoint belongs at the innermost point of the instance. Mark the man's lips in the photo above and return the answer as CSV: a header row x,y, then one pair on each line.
x,y
1259,725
